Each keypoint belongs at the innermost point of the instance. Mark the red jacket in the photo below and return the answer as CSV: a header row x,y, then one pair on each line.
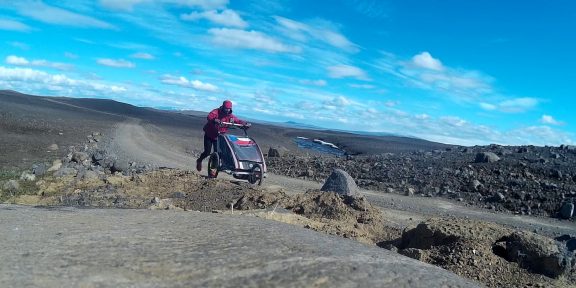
x,y
211,129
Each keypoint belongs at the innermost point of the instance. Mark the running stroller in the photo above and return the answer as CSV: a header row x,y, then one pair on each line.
x,y
238,156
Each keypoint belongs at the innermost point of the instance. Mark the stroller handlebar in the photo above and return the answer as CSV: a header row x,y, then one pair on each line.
x,y
236,125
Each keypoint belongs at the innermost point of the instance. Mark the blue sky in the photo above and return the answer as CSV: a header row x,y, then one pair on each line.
x,y
452,71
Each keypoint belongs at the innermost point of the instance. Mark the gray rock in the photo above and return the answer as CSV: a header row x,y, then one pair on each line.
x,y
475,185
39,169
79,157
498,197
340,182
93,239
88,175
98,156
55,165
11,186
178,195
64,171
409,191
538,254
119,166
486,157
27,176
567,211
555,173
53,147
273,152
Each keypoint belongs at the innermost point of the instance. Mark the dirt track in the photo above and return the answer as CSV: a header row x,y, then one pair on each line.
x,y
136,142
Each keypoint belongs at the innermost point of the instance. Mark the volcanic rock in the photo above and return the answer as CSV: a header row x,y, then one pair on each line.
x,y
273,152
486,157
79,157
537,253
341,183
567,210
39,169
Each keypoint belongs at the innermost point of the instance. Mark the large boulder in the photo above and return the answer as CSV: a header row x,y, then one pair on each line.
x,y
486,157
538,254
340,182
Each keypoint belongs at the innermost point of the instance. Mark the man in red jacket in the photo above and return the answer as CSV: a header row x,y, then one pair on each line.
x,y
213,127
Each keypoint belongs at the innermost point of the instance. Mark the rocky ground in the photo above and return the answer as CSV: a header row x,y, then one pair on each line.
x,y
491,254
524,180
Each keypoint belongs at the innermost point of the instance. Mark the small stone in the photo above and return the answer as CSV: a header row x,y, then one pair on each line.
x,y
79,157
27,176
409,191
53,147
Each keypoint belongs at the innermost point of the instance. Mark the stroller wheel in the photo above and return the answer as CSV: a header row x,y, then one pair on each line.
x,y
213,164
256,175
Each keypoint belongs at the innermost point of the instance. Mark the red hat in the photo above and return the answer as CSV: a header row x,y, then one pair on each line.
x,y
227,104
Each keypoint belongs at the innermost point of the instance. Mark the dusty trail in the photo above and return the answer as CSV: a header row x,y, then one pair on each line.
x,y
134,141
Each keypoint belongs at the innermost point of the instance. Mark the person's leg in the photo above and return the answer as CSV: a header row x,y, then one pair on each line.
x,y
208,143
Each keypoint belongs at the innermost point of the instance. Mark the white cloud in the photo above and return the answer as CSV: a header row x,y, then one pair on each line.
x,y
337,102
320,30
183,82
226,17
319,82
515,105
425,60
249,40
141,55
547,119
344,71
53,15
117,63
518,105
128,5
488,106
35,80
425,72
454,121
21,61
11,25
362,86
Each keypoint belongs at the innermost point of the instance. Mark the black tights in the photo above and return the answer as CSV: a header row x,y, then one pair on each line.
x,y
209,144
